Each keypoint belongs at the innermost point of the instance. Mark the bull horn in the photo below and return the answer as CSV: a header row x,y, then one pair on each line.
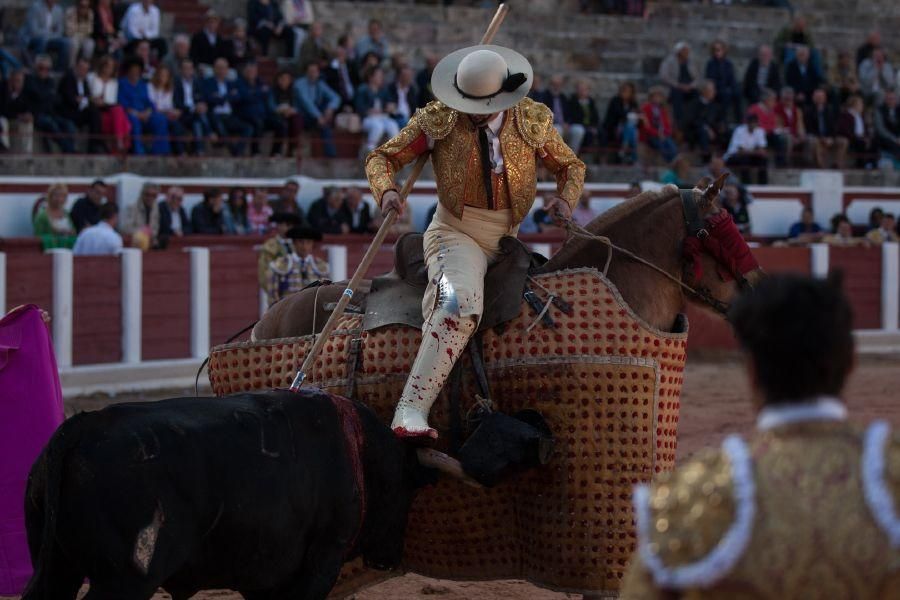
x,y
438,460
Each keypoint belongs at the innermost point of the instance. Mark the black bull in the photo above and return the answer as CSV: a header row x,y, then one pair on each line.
x,y
254,492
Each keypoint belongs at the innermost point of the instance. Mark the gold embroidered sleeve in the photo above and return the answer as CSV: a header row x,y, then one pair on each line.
x,y
568,168
638,583
383,163
691,509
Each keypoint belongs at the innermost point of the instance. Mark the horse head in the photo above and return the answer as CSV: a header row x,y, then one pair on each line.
x,y
718,261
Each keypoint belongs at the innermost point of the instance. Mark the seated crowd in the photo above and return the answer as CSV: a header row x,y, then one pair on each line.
x,y
116,79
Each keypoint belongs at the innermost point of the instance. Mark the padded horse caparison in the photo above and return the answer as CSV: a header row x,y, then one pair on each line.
x,y
396,298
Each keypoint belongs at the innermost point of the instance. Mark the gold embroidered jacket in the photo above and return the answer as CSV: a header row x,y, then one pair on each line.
x,y
815,532
526,135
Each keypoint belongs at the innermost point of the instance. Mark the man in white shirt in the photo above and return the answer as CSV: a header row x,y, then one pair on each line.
x,y
141,22
102,238
747,151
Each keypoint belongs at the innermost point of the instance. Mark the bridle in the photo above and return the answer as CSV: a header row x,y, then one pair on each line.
x,y
714,235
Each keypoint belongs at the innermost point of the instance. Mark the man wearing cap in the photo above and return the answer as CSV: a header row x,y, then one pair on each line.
x,y
276,246
295,270
485,139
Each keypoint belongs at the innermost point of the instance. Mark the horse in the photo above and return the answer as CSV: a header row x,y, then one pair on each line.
x,y
649,264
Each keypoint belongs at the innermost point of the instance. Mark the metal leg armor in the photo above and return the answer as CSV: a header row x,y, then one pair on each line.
x,y
444,337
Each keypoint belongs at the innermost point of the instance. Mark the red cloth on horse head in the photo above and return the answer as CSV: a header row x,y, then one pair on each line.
x,y
31,408
725,244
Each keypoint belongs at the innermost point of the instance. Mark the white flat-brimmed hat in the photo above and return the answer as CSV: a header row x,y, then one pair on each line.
x,y
480,80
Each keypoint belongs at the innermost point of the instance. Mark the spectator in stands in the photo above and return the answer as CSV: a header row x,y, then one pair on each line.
x,y
678,73
716,168
404,95
259,212
143,52
141,22
375,42
852,127
101,238
44,31
679,172
876,76
242,48
188,100
423,79
735,200
207,46
621,122
44,103
75,103
107,37
791,39
767,118
720,70
887,126
583,213
52,222
844,78
15,111
885,232
298,15
802,76
104,90
255,108
80,29
173,219
134,97
317,103
328,214
181,51
656,129
747,150
142,217
86,210
585,127
162,95
314,49
222,99
234,212
821,127
281,101
762,72
842,233
704,121
342,77
806,230
791,123
367,64
207,217
286,201
873,41
875,217
265,22
558,102
360,215
374,108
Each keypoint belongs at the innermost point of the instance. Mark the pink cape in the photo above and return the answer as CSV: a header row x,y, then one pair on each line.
x,y
31,408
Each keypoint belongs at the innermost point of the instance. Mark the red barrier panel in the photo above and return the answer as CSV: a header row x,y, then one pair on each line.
x,y
233,294
166,322
97,310
29,280
862,282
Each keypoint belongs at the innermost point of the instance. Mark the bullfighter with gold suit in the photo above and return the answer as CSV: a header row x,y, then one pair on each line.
x,y
807,507
485,139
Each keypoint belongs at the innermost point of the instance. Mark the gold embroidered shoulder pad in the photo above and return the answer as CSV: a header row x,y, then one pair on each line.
x,y
436,119
691,509
534,121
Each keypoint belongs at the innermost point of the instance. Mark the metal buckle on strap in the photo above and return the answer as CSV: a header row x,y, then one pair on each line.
x,y
702,233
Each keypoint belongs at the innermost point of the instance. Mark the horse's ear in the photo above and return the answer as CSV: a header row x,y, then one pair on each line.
x,y
712,191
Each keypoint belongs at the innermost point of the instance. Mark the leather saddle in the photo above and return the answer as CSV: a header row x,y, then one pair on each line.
x,y
396,297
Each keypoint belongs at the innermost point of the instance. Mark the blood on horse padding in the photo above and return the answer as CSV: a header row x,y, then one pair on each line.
x,y
608,386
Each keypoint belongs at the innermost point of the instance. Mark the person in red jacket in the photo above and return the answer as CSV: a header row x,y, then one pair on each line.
x,y
656,128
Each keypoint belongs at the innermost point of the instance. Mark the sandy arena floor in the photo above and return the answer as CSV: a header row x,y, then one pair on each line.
x,y
715,402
